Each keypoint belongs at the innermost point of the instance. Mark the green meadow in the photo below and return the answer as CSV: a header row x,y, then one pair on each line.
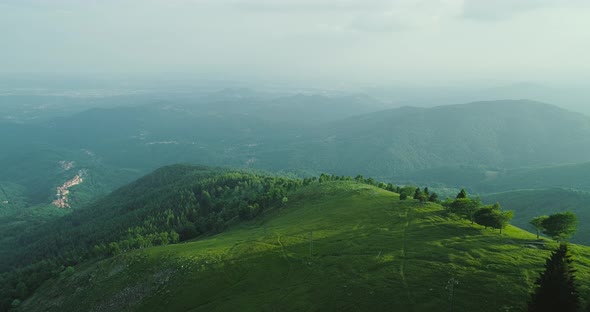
x,y
340,246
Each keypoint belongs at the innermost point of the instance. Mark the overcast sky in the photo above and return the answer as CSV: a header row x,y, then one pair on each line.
x,y
362,41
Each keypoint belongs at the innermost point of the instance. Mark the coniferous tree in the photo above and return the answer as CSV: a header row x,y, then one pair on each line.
x,y
433,198
462,194
556,290
417,193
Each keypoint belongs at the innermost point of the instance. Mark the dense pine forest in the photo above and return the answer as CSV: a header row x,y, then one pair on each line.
x,y
181,203
173,204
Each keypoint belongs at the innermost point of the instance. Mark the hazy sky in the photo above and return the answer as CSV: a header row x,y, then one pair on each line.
x,y
364,41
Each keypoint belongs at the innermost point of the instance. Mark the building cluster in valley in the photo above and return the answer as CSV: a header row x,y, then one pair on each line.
x,y
62,191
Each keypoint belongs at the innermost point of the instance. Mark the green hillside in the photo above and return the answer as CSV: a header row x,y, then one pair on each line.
x,y
189,200
339,246
493,141
528,204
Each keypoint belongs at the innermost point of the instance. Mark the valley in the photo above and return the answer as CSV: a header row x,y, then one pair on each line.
x,y
227,227
63,191
294,155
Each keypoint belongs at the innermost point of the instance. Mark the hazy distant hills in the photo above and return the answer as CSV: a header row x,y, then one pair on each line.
x,y
571,97
570,175
500,134
535,202
482,145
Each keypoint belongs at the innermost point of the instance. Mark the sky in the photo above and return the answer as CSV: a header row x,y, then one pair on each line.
x,y
368,42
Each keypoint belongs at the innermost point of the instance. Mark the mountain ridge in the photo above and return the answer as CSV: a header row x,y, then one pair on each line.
x,y
334,246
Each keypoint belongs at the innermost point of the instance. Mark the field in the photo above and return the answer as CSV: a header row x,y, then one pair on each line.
x,y
339,246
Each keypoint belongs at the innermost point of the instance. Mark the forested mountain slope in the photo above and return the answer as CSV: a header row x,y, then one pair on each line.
x,y
333,246
186,199
172,204
485,145
568,175
500,134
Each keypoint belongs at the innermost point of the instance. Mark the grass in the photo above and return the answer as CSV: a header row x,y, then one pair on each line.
x,y
370,252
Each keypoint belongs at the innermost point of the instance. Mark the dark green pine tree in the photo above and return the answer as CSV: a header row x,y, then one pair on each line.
x,y
418,193
433,198
462,194
556,290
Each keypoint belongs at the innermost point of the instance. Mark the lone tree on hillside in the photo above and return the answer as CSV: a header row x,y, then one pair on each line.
x,y
493,216
503,219
560,226
462,194
403,196
537,223
556,290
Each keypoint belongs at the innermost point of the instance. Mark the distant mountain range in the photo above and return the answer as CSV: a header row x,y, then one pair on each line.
x,y
483,143
499,134
533,158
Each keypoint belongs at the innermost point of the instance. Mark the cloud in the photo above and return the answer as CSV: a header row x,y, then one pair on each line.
x,y
378,23
505,9
340,39
408,16
311,5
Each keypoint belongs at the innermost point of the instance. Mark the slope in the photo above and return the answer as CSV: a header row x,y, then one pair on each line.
x,y
190,200
336,246
456,145
528,204
395,143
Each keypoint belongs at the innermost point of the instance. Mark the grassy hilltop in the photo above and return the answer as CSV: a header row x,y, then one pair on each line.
x,y
368,251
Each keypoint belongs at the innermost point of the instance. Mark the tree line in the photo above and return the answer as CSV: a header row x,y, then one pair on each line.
x,y
173,204
179,203
489,216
